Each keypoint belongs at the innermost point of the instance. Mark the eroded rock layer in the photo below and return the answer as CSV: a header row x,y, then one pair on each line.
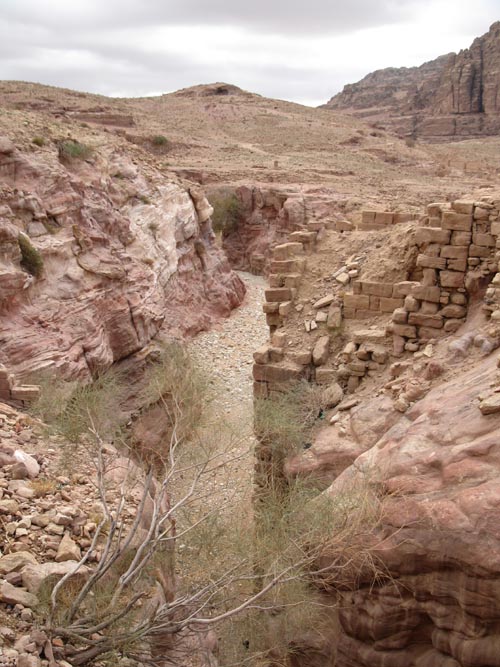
x,y
455,95
439,541
125,254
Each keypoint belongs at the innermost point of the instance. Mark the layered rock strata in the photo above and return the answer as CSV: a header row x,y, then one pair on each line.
x,y
111,256
454,96
438,469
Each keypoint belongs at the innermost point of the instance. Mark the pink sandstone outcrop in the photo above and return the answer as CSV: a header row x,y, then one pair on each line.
x,y
437,471
126,254
454,96
266,217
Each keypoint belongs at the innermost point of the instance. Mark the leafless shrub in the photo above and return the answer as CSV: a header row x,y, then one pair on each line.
x,y
243,578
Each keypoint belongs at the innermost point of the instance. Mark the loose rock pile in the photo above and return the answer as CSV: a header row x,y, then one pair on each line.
x,y
47,521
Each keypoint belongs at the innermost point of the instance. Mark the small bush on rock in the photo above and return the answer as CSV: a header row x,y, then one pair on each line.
x,y
31,260
70,149
159,140
227,214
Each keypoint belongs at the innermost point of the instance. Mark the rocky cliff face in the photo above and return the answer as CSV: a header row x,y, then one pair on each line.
x,y
125,251
266,216
456,95
439,535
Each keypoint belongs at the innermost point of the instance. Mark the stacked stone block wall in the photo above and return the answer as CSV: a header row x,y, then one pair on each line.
x,y
365,354
12,392
373,298
273,369
373,220
457,247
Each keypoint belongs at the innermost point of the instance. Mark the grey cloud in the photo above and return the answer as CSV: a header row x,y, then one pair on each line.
x,y
278,16
103,46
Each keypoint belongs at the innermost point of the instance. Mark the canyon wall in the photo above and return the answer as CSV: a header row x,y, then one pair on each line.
x,y
454,96
97,257
418,430
266,215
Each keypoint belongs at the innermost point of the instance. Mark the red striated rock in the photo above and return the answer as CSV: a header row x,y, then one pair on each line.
x,y
438,469
267,217
455,95
126,255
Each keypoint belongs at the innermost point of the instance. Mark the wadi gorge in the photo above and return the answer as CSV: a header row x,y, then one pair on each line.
x,y
346,264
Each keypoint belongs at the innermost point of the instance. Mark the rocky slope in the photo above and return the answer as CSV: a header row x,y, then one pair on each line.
x,y
417,434
126,253
453,96
441,606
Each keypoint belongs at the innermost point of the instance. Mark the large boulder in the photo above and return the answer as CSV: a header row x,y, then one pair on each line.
x,y
48,574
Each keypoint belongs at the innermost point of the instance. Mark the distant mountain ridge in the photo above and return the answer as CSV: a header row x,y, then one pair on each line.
x,y
453,96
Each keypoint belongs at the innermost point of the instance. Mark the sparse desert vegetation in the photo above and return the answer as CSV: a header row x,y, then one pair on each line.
x,y
249,407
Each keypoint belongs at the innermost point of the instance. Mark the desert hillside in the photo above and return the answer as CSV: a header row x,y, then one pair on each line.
x,y
249,386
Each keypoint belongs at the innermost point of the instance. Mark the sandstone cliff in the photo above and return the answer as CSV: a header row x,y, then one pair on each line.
x,y
126,253
456,95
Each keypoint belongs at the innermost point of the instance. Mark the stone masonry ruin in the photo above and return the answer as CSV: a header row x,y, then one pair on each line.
x,y
457,258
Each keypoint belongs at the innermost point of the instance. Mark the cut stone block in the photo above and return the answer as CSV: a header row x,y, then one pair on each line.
x,y
287,250
427,293
334,319
400,316
451,279
461,238
456,264
376,289
456,221
453,310
278,294
402,289
357,301
422,320
463,206
321,350
479,251
384,218
404,330
426,261
431,235
276,372
344,226
480,239
454,252
324,302
389,305
367,336
270,307
285,308
367,217
261,356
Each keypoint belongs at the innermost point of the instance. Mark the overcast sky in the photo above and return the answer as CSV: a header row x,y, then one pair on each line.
x,y
299,50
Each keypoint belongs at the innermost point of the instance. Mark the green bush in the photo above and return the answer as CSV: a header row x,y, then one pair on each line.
x,y
38,141
227,214
70,149
31,260
159,140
